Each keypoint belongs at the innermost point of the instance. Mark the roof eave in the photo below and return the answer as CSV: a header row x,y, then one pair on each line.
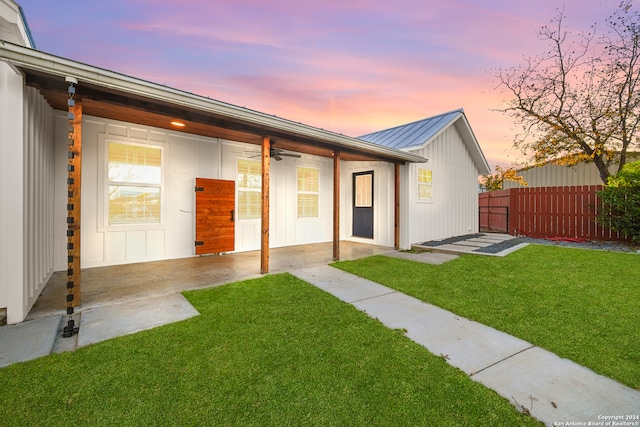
x,y
476,151
44,62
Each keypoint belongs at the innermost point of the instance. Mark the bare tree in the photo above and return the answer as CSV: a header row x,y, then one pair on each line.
x,y
580,100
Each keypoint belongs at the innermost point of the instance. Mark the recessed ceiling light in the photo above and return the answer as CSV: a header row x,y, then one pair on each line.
x,y
178,124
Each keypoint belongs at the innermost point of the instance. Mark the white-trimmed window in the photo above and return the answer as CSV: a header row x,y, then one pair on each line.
x,y
249,189
134,183
425,184
307,192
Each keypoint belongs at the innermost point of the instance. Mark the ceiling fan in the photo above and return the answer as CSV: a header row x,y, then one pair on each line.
x,y
278,153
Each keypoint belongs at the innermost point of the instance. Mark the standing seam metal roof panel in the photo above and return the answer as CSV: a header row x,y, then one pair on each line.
x,y
412,134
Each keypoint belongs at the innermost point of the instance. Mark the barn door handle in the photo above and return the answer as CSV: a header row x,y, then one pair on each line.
x,y
233,214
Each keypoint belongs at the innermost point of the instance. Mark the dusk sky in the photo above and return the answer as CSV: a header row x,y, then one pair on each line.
x,y
352,67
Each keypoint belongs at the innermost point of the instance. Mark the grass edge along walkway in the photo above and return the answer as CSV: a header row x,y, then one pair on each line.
x,y
269,351
580,304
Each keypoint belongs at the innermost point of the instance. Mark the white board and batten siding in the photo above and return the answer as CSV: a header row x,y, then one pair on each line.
x,y
453,210
184,157
285,228
26,220
383,201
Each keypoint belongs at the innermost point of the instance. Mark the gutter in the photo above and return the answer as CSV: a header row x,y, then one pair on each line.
x,y
55,65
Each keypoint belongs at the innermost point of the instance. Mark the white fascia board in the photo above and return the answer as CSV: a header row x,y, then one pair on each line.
x,y
63,67
474,148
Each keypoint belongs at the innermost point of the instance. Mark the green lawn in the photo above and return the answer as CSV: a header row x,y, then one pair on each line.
x,y
270,351
583,305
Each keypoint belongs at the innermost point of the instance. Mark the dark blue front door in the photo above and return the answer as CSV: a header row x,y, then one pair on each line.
x,y
363,204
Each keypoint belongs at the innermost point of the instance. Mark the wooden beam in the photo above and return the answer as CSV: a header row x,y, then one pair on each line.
x,y
336,205
264,244
74,181
396,221
117,105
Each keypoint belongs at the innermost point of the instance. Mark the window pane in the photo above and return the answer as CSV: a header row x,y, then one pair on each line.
x,y
308,179
425,176
249,205
249,189
425,181
133,204
249,174
424,191
135,178
134,164
307,205
363,191
307,192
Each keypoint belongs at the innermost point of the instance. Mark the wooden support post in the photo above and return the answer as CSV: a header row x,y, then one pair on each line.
x,y
396,238
74,167
336,205
264,244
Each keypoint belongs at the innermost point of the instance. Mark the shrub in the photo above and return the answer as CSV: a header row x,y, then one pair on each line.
x,y
621,202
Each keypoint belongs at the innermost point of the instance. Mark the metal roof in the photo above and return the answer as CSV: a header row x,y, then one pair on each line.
x,y
413,135
416,135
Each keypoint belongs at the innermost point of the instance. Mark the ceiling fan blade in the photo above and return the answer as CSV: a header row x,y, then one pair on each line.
x,y
276,153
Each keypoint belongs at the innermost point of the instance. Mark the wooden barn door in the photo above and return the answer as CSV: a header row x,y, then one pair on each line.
x,y
215,216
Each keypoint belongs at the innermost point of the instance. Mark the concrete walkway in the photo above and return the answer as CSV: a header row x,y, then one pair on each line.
x,y
551,389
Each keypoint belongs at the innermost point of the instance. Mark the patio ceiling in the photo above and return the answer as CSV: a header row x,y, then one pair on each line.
x,y
119,97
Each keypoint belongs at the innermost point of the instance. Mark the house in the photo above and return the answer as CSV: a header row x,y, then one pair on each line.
x,y
440,198
101,168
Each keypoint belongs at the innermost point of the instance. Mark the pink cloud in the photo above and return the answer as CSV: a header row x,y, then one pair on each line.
x,y
349,66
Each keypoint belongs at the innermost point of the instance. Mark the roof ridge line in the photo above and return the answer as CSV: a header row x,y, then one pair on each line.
x,y
459,110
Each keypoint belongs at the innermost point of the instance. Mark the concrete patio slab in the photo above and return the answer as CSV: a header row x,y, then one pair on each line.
x,y
558,390
103,323
28,340
483,241
454,248
474,243
496,237
487,244
491,242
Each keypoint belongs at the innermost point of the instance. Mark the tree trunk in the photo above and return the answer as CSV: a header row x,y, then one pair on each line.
x,y
603,170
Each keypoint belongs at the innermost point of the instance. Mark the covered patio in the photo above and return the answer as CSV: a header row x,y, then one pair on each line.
x,y
85,94
121,283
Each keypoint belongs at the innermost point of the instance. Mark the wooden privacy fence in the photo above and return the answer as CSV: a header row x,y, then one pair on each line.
x,y
545,212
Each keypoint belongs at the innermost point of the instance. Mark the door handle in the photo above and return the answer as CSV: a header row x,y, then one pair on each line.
x,y
233,214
